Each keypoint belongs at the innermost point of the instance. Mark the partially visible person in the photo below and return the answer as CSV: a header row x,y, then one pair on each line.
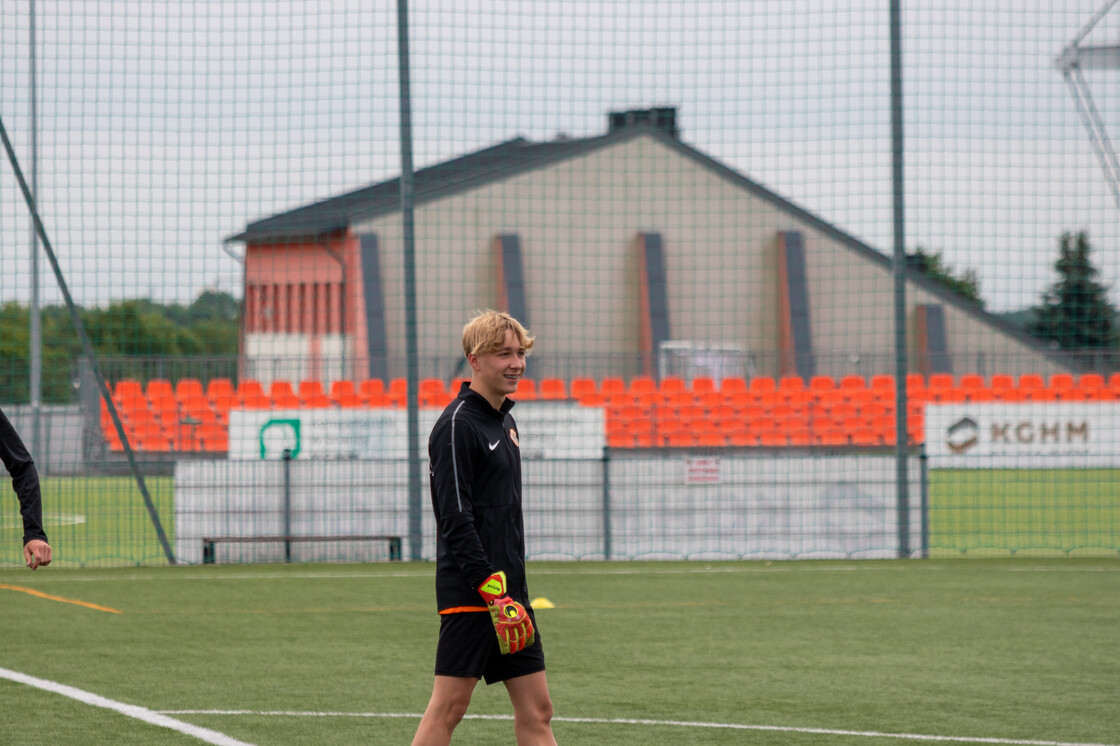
x,y
25,481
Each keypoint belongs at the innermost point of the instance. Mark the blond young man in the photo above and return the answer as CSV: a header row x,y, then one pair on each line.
x,y
487,627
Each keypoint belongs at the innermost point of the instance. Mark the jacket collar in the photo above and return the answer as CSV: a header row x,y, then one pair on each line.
x,y
478,400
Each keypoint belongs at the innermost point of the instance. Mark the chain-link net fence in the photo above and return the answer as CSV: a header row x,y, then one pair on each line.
x,y
712,216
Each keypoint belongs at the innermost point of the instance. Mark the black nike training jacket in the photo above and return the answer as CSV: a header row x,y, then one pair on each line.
x,y
476,495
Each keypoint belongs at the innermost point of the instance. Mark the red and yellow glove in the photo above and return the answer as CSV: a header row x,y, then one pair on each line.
x,y
511,621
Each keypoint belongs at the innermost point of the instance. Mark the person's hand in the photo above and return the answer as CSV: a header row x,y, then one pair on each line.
x,y
511,622
37,553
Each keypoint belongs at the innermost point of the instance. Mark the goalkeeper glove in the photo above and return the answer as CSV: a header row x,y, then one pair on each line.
x,y
511,621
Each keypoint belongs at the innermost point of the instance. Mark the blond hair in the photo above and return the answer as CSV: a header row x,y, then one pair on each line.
x,y
486,332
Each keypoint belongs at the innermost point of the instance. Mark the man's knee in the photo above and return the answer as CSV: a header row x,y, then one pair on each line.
x,y
537,713
453,709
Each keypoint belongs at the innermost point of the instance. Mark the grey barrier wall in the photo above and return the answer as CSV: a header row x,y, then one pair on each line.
x,y
652,506
61,428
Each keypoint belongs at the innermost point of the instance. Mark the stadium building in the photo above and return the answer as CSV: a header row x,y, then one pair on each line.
x,y
629,253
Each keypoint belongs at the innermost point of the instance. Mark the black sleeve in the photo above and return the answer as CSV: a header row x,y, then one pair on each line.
x,y
452,453
25,480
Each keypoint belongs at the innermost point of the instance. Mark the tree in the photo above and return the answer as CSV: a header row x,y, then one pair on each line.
x,y
930,264
185,340
1075,313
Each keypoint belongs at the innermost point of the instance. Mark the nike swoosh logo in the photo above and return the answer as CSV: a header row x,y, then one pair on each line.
x,y
494,444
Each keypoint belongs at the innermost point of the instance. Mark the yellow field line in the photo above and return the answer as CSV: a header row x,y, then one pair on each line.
x,y
49,597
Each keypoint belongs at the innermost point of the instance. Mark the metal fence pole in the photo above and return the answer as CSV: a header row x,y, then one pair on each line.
x,y
898,266
606,504
925,502
287,505
411,342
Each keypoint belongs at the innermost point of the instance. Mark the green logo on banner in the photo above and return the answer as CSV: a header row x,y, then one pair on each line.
x,y
277,436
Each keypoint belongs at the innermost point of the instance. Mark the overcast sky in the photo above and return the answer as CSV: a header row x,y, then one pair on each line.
x,y
166,126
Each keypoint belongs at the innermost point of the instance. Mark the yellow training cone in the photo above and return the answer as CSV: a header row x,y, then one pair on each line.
x,y
542,603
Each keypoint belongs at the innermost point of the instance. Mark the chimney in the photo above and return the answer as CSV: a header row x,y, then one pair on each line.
x,y
663,118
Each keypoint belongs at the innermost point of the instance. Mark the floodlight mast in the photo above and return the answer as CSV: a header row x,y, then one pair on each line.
x,y
1075,58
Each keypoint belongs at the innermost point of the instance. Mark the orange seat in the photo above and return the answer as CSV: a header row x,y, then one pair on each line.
x,y
731,386
831,436
858,397
852,383
1031,381
340,389
640,385
980,395
127,387
281,387
829,398
1091,382
526,390
155,442
773,438
160,388
254,401
622,439
219,387
704,385
711,440
1002,382
612,386
397,392
249,387
213,438
1038,394
799,436
882,382
742,438
972,381
683,439
865,435
789,384
940,381
763,384
821,383
592,400
1008,394
672,385
551,389
188,387
875,409
582,387
285,401
434,394
308,389
1060,382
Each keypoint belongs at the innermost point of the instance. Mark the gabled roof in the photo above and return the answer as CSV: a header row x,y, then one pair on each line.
x,y
468,171
519,155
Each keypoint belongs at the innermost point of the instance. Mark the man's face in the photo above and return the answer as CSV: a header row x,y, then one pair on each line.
x,y
497,373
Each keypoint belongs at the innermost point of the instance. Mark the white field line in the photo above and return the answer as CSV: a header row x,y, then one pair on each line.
x,y
427,570
132,711
663,723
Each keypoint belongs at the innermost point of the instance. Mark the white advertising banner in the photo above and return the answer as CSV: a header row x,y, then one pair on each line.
x,y
545,430
1028,435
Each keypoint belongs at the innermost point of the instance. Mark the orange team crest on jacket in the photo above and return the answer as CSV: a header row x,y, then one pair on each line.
x,y
513,437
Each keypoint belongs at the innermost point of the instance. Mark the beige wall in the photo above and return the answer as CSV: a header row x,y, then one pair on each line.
x,y
577,221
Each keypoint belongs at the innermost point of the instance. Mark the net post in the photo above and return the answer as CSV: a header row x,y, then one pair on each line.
x,y
287,505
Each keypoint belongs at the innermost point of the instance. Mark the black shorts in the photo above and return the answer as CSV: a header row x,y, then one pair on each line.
x,y
468,648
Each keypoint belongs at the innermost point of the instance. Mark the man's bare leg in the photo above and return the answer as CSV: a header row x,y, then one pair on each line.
x,y
451,696
532,710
